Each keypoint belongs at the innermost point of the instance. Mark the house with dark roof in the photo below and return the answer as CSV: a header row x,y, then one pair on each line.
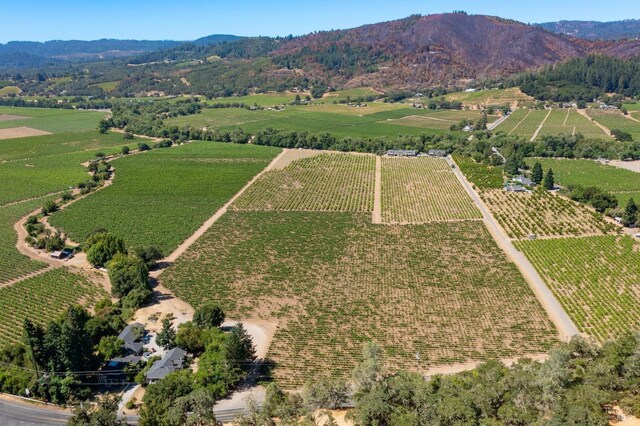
x,y
172,361
402,153
524,180
437,153
132,337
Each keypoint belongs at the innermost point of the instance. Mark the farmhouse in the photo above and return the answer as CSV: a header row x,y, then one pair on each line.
x,y
402,153
172,361
524,180
437,153
513,187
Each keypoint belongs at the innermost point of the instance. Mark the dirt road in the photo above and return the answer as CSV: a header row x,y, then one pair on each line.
x,y
564,324
376,217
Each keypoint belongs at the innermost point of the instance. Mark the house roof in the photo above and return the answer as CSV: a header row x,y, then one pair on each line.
x,y
173,360
130,338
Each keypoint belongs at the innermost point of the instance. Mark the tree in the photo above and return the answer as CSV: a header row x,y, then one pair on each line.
x,y
127,273
189,337
326,393
537,174
207,315
110,347
101,247
239,350
622,136
160,397
549,183
512,165
630,216
150,255
167,336
104,414
369,370
194,409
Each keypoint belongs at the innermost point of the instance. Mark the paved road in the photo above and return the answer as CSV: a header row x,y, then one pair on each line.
x,y
17,413
564,324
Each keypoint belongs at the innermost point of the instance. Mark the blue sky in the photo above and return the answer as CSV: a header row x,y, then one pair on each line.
x,y
41,20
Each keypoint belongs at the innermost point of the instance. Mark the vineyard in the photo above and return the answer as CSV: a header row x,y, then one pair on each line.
x,y
595,279
481,175
333,281
569,121
54,120
615,120
542,213
418,190
620,182
328,182
162,196
12,263
42,299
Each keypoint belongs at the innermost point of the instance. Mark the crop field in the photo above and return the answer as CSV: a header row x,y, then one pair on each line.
x,y
162,196
620,182
328,182
441,119
308,119
418,190
340,95
12,263
570,122
615,120
41,299
260,99
632,107
490,96
108,86
524,124
53,120
44,164
542,213
595,279
481,175
334,281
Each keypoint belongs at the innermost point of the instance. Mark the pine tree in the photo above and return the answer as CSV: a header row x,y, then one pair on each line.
x,y
630,216
549,182
167,336
537,174
239,348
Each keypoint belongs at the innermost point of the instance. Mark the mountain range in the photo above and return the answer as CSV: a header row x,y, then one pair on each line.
x,y
593,30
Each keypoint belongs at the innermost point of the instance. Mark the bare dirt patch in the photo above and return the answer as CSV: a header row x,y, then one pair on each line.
x,y
21,132
291,155
10,117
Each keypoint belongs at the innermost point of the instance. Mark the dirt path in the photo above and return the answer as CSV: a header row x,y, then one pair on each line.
x,y
213,219
631,117
633,166
376,217
535,134
566,117
583,113
292,155
565,326
499,121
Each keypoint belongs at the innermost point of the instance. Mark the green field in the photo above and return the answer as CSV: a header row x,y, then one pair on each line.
x,y
333,281
441,120
635,107
52,120
41,299
342,95
260,99
569,121
9,90
162,196
622,183
595,279
616,120
310,119
108,86
39,165
12,263
489,96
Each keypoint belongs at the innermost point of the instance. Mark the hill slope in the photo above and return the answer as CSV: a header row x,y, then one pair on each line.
x,y
592,30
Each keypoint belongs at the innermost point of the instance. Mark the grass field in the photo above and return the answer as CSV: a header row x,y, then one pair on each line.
x,y
312,119
570,122
635,107
480,175
523,122
328,182
341,95
42,299
615,120
441,119
162,196
595,279
261,99
10,90
542,213
108,86
490,97
12,263
418,190
39,165
333,281
622,183
53,120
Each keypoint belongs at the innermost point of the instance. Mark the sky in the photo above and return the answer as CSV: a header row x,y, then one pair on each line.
x,y
40,20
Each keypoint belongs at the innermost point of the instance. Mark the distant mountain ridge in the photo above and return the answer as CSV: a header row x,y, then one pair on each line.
x,y
594,30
